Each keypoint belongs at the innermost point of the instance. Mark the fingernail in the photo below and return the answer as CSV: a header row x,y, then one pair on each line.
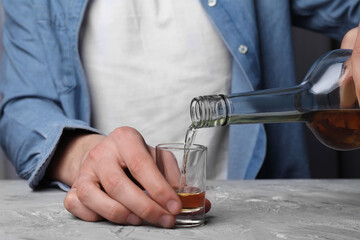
x,y
173,207
133,219
166,221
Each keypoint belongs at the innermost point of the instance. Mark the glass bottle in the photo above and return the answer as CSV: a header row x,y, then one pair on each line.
x,y
326,101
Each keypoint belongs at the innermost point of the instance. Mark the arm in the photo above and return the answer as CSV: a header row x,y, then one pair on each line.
x,y
37,128
330,17
32,116
337,19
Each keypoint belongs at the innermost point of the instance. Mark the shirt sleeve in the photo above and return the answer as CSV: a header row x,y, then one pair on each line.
x,y
330,17
32,114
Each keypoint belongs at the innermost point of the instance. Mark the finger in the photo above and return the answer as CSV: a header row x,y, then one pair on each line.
x,y
152,152
348,96
120,188
167,164
349,39
207,205
355,62
134,153
95,199
75,207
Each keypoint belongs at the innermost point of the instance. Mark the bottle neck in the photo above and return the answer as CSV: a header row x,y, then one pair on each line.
x,y
266,106
209,111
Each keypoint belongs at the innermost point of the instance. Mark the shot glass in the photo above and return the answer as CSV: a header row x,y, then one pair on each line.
x,y
185,170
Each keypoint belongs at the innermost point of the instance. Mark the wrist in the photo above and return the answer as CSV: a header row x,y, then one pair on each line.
x,y
72,150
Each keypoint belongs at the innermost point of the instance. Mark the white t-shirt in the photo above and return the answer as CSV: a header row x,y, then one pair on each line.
x,y
145,60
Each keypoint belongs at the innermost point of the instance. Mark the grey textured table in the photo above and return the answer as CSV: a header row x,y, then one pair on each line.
x,y
267,209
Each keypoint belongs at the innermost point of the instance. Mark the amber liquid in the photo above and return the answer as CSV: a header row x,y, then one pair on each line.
x,y
192,199
193,207
339,129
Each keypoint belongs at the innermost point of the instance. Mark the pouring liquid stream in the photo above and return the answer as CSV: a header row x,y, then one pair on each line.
x,y
189,139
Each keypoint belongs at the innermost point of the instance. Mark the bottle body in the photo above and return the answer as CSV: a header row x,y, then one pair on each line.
x,y
325,100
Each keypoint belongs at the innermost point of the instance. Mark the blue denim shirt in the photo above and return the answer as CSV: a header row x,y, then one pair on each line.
x,y
43,89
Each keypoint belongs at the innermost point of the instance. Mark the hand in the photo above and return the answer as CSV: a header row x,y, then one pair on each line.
x,y
95,166
350,81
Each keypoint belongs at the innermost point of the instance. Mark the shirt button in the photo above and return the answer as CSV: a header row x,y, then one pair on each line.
x,y
243,49
211,3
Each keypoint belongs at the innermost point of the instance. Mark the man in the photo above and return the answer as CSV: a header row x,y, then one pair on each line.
x,y
45,123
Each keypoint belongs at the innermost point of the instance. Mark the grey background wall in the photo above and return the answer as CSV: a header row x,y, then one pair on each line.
x,y
324,162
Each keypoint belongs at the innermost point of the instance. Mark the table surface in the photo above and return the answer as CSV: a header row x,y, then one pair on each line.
x,y
251,209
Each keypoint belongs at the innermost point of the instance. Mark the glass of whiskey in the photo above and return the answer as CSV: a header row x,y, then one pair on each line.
x,y
185,170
